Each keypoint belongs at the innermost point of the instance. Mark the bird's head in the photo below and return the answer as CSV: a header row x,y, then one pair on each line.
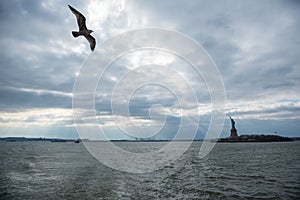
x,y
90,31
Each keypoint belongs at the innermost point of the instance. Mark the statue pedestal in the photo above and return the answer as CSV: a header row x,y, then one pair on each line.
x,y
233,133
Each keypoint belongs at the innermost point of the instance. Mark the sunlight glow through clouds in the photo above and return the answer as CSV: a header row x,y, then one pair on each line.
x,y
99,12
264,110
42,91
36,117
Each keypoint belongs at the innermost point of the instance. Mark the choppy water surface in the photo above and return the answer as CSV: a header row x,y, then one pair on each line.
x,y
45,170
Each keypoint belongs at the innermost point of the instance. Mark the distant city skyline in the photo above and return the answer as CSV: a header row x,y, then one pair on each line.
x,y
255,45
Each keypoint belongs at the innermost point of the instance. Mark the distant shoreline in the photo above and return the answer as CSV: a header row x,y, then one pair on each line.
x,y
256,138
24,139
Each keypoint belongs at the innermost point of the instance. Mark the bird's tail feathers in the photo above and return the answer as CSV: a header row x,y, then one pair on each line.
x,y
75,33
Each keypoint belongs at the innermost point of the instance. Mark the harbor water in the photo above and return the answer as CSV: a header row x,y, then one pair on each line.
x,y
48,170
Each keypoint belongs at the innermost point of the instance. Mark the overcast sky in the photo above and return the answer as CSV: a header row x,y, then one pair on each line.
x,y
254,44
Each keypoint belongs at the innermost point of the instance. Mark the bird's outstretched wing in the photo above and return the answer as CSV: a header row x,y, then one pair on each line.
x,y
80,18
92,41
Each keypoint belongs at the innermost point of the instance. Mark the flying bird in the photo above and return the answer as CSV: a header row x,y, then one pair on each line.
x,y
82,28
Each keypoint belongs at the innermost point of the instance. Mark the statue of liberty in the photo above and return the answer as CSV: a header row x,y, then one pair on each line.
x,y
232,123
233,131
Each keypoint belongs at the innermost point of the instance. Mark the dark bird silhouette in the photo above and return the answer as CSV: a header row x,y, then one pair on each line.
x,y
82,28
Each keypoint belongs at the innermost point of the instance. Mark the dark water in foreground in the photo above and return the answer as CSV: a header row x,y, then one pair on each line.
x,y
45,170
